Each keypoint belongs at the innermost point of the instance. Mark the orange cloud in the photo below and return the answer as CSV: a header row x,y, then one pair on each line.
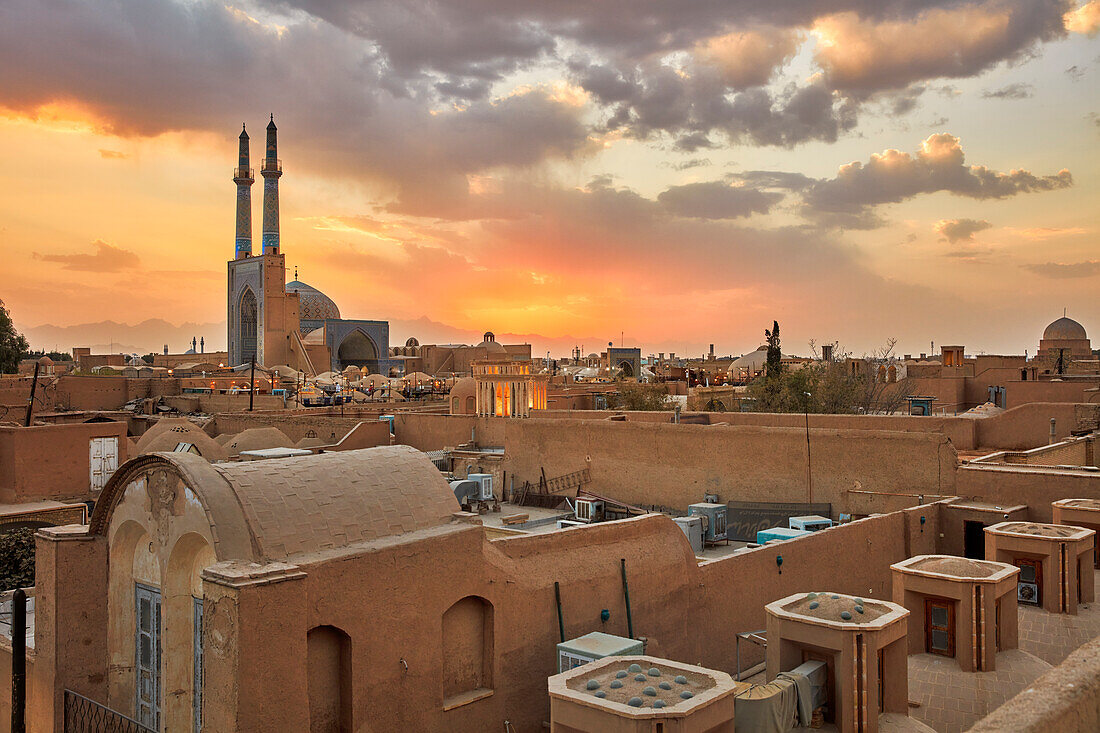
x,y
107,258
960,230
862,55
1085,19
749,58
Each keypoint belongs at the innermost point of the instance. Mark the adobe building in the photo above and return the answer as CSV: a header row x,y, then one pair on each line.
x,y
622,361
642,694
1080,513
958,607
863,645
59,462
454,359
276,322
1068,336
506,388
1055,562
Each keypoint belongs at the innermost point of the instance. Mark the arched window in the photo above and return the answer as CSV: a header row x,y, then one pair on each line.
x,y
247,310
892,374
471,407
881,373
328,668
467,649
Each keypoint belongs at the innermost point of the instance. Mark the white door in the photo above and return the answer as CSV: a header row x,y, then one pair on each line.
x,y
102,460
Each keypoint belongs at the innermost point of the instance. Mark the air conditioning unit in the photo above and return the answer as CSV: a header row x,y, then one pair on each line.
x,y
715,518
593,646
780,534
693,529
588,510
810,522
486,481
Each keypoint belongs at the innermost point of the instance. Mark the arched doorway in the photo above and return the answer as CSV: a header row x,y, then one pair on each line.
x,y
467,659
246,325
328,670
626,369
356,349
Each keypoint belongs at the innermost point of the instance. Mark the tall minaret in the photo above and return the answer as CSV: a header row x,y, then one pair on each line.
x,y
242,176
271,170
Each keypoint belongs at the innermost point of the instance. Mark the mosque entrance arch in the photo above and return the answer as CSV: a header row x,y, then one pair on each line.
x,y
356,349
247,310
626,369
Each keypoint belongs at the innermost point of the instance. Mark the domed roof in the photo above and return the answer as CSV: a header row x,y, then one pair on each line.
x,y
464,387
258,439
411,341
45,361
1065,329
277,509
313,305
752,360
490,345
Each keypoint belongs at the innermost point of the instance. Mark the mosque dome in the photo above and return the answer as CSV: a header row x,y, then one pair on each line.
x,y
313,305
1065,329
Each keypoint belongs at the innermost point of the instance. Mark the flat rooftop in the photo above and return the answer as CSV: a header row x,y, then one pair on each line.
x,y
952,567
1035,529
1092,505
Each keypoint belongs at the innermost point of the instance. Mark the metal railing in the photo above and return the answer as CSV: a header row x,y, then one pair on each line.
x,y
88,716
244,173
271,166
576,479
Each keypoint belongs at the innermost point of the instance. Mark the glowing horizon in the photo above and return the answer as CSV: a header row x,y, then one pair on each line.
x,y
855,177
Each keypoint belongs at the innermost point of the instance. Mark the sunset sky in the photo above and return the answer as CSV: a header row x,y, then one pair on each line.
x,y
670,173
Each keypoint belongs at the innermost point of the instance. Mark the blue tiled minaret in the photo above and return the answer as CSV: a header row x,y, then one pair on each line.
x,y
243,177
271,170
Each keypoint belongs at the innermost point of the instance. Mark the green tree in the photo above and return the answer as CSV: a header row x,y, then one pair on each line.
x,y
12,343
633,396
832,387
774,365
17,559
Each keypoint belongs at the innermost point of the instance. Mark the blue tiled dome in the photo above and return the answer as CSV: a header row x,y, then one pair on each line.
x,y
313,305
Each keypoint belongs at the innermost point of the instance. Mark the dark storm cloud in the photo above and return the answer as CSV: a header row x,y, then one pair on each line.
x,y
716,200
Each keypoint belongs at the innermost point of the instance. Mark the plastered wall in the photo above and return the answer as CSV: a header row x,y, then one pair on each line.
x,y
675,465
51,461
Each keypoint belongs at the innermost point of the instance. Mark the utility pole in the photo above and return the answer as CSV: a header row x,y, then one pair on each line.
x,y
252,385
809,471
30,401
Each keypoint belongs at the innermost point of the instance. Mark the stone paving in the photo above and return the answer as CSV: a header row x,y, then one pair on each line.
x,y
951,700
1053,636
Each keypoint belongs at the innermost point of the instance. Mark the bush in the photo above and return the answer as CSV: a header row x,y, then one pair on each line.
x,y
17,559
632,396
